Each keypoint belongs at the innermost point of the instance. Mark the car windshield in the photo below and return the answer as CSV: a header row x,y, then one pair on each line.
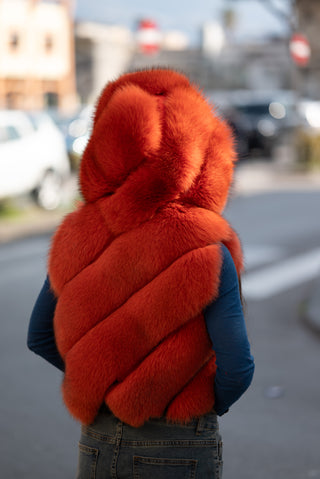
x,y
254,110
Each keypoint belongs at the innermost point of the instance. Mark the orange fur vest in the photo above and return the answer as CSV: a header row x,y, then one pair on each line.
x,y
134,266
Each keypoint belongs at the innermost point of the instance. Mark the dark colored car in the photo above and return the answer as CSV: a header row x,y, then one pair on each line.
x,y
260,121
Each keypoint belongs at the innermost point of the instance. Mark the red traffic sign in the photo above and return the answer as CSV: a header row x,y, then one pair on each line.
x,y
300,49
148,37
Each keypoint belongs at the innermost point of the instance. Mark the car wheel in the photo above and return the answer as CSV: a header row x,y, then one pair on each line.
x,y
49,193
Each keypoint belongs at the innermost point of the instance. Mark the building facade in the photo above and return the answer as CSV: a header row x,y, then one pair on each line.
x,y
37,55
103,52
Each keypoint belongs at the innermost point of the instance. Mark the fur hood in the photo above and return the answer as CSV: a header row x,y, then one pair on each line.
x,y
155,139
135,265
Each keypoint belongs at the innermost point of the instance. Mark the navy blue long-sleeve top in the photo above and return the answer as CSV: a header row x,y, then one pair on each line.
x,y
225,324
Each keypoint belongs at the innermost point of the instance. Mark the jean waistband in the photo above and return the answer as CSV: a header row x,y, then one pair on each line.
x,y
106,421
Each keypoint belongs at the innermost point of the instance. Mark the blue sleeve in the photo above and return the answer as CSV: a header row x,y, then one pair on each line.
x,y
227,330
40,334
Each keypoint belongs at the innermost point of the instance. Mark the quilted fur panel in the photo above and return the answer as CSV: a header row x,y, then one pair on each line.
x,y
164,372
196,398
72,246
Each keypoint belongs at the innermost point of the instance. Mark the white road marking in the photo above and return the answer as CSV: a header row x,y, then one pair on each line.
x,y
257,255
282,276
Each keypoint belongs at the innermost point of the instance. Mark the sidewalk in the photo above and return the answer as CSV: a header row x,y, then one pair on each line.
x,y
254,177
32,222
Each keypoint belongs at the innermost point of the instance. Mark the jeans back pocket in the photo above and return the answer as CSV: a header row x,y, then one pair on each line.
x,y
87,465
163,468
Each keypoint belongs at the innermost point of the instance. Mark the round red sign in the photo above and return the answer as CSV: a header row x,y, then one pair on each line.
x,y
300,49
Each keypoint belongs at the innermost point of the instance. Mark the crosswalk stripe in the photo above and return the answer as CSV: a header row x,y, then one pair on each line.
x,y
258,255
274,279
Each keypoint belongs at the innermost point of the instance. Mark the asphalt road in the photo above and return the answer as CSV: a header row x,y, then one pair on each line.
x,y
273,432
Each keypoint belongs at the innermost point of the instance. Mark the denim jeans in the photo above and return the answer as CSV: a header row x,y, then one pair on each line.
x,y
109,448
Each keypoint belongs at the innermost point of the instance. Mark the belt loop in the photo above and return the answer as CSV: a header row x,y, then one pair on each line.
x,y
199,427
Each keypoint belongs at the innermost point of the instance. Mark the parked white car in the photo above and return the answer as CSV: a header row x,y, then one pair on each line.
x,y
33,157
76,130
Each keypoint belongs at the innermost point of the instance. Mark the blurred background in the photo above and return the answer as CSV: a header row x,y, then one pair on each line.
x,y
258,63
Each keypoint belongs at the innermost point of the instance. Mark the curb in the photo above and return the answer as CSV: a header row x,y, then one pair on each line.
x,y
261,177
34,221
311,309
32,224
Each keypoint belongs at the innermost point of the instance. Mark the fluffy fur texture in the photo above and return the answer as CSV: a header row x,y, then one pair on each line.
x,y
134,266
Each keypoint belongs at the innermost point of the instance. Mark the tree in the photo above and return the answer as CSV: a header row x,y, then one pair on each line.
x,y
302,16
286,15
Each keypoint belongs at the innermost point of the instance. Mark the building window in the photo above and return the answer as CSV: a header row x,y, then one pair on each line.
x,y
14,41
51,99
13,100
48,43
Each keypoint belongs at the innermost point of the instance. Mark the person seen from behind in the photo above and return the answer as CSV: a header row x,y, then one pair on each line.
x,y
141,308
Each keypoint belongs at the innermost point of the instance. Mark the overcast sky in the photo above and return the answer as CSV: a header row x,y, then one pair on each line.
x,y
253,19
